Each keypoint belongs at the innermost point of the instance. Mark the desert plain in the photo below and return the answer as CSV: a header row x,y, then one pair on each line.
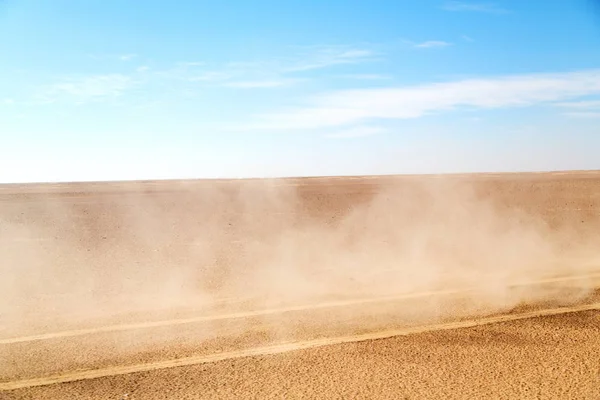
x,y
373,287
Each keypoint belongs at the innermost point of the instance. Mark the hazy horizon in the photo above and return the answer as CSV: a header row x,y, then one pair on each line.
x,y
292,177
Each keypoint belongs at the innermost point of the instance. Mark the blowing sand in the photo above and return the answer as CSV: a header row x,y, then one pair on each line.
x,y
112,283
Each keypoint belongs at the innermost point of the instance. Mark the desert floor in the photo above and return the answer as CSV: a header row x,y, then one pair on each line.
x,y
457,286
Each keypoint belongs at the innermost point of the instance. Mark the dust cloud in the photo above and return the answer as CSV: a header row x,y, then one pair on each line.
x,y
74,254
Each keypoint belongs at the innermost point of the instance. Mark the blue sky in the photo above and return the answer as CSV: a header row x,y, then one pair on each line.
x,y
121,89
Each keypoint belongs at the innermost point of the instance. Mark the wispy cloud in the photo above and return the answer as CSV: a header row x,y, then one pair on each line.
x,y
7,102
329,56
467,38
426,44
583,114
581,105
260,83
197,73
356,131
211,76
269,73
348,107
490,8
84,89
432,43
581,109
127,57
368,77
121,57
186,64
187,77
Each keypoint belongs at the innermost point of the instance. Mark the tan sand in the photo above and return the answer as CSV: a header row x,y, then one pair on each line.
x,y
542,358
122,275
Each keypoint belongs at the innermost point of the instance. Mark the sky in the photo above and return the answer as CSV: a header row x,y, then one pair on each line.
x,y
123,89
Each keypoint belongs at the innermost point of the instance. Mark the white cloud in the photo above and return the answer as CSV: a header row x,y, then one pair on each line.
x,y
581,105
432,43
581,109
269,73
121,57
210,76
306,58
348,107
583,114
7,102
260,83
191,64
127,57
426,44
490,8
467,38
366,76
88,88
329,56
356,131
191,71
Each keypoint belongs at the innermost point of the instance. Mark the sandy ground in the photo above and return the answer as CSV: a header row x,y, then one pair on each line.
x,y
129,275
542,358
